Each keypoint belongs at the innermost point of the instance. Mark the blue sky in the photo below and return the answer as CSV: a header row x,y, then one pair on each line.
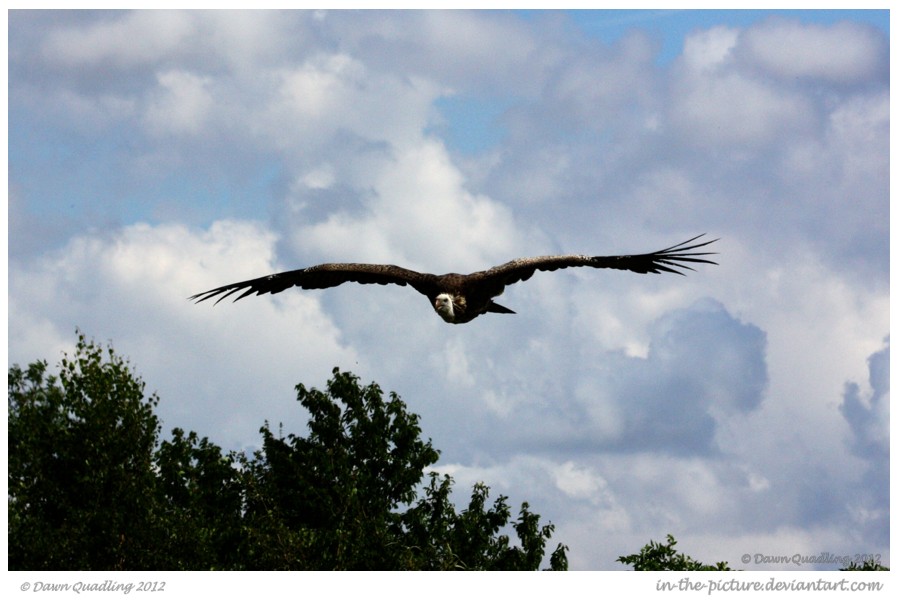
x,y
743,408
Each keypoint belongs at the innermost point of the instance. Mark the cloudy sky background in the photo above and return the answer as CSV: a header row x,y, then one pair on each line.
x,y
743,409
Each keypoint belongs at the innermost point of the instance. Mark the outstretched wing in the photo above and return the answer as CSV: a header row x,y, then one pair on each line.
x,y
668,260
322,276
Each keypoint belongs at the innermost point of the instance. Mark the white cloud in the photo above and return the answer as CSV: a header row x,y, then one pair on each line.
x,y
842,53
132,288
182,106
337,94
868,415
706,50
577,482
749,86
317,178
314,89
491,49
133,39
858,129
247,39
726,107
419,213
870,419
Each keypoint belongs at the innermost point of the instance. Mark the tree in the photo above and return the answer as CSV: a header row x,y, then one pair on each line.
x,y
332,500
328,500
657,556
869,564
92,487
200,500
439,538
80,465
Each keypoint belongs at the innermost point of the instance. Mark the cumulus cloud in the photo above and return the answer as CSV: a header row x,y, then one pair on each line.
x,y
331,93
416,200
703,367
490,50
709,49
131,287
719,103
841,53
869,418
702,363
123,40
868,415
750,86
730,109
183,104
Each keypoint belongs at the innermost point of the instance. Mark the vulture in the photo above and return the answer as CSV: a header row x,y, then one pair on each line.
x,y
460,298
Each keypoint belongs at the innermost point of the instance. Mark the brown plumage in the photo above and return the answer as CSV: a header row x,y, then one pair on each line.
x,y
460,298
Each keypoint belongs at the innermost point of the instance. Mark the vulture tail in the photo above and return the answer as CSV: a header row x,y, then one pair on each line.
x,y
496,308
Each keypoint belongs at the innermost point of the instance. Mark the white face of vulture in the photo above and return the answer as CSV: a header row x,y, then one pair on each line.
x,y
443,304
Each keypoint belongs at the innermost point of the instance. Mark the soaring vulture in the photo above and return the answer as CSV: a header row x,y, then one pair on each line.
x,y
460,298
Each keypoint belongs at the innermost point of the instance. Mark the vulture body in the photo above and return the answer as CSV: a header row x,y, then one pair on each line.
x,y
460,298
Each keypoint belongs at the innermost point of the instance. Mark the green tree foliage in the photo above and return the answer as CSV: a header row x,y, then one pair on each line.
x,y
92,487
200,501
80,465
657,556
869,564
442,539
332,500
328,500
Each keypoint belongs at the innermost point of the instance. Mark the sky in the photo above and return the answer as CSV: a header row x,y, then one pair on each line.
x,y
742,408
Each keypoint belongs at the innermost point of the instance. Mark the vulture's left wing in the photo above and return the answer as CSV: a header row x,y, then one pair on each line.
x,y
668,260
